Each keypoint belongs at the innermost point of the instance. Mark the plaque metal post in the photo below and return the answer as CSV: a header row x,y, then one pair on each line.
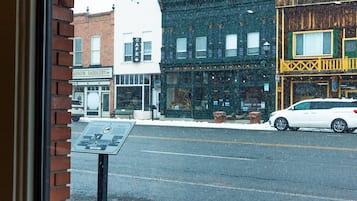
x,y
102,177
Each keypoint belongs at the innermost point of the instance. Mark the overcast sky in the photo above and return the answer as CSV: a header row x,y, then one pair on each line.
x,y
95,6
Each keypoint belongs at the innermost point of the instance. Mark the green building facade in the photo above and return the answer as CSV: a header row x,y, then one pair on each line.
x,y
217,55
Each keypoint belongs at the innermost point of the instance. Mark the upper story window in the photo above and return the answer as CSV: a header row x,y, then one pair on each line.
x,y
253,43
95,50
181,48
201,47
128,52
313,44
231,45
147,39
77,52
147,50
128,47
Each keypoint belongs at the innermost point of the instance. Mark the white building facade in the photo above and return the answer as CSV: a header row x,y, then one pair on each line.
x,y
137,53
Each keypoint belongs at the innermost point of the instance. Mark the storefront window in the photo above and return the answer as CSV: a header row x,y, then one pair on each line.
x,y
185,78
349,89
252,99
171,78
309,90
201,98
78,94
201,77
179,98
129,97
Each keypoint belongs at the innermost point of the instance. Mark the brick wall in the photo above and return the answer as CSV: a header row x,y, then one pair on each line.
x,y
102,24
61,89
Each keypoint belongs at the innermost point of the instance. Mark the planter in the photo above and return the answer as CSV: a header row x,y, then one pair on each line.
x,y
142,115
219,116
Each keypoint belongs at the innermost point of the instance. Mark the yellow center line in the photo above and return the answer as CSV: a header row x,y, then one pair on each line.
x,y
246,143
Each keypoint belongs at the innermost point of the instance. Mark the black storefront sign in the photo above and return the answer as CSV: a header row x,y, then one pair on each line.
x,y
137,49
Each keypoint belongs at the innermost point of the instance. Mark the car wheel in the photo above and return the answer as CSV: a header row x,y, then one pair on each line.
x,y
293,128
75,118
281,124
339,126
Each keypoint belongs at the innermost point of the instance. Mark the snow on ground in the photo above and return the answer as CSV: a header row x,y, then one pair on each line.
x,y
189,123
244,125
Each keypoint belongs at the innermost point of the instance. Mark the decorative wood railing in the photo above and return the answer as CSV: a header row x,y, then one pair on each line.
x,y
319,65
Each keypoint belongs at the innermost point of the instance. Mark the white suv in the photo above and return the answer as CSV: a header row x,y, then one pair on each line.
x,y
338,114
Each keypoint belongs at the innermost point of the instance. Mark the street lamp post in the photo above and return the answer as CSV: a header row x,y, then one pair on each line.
x,y
266,48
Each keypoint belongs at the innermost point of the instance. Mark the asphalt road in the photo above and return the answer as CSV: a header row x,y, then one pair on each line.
x,y
195,164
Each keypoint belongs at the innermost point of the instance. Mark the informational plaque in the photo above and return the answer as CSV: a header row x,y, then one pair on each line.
x,y
103,137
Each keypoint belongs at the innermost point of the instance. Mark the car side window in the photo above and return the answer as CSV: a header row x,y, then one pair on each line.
x,y
302,106
315,105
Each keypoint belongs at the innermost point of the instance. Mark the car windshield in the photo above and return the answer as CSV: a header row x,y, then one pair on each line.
x,y
76,102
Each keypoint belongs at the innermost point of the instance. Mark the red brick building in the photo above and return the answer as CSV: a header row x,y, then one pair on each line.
x,y
93,59
62,32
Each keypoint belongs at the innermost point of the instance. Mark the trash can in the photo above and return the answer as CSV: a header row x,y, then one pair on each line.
x,y
254,117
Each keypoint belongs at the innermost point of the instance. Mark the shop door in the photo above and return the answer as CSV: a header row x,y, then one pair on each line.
x,y
105,105
200,103
156,102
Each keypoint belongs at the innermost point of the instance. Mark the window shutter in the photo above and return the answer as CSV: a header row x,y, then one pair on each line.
x,y
290,45
335,43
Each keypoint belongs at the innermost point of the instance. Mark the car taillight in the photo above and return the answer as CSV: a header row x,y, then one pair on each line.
x,y
355,110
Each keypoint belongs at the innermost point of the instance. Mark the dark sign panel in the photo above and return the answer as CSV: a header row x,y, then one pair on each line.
x,y
103,137
137,49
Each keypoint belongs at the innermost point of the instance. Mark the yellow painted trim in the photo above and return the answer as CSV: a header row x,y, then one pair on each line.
x,y
308,32
282,34
355,38
277,64
282,92
319,75
282,57
313,31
